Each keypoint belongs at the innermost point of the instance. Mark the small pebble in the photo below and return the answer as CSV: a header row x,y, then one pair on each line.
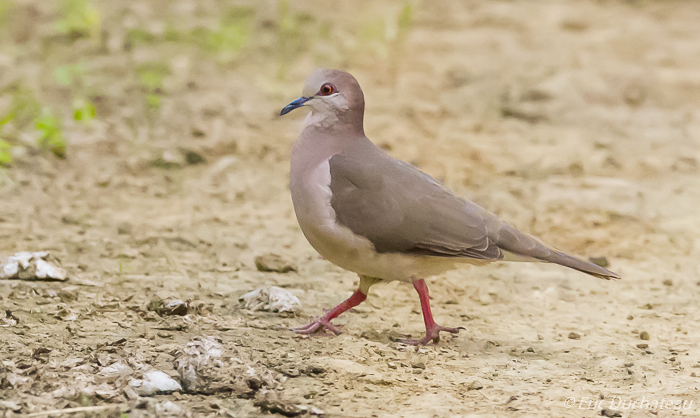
x,y
124,228
644,335
273,263
643,346
610,413
574,336
475,386
600,261
314,369
418,365
67,296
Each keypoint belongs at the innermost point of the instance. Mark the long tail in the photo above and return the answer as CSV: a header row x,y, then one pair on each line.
x,y
524,247
559,257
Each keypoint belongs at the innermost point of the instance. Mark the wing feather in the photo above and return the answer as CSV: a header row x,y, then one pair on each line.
x,y
401,209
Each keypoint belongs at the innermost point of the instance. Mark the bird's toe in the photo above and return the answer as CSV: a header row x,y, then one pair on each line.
x,y
317,326
432,335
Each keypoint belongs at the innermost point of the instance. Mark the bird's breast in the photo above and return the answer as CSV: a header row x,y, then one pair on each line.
x,y
311,195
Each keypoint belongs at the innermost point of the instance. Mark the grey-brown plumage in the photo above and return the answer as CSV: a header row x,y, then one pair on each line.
x,y
401,209
385,219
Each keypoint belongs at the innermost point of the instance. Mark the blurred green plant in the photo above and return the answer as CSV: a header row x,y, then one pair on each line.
x,y
83,110
66,75
5,153
5,7
405,19
25,112
390,30
50,134
80,18
138,36
172,34
151,76
230,38
24,108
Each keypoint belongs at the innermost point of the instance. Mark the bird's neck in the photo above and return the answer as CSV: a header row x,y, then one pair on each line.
x,y
335,123
317,144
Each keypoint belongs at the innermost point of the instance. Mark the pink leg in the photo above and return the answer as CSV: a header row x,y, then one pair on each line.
x,y
432,330
324,322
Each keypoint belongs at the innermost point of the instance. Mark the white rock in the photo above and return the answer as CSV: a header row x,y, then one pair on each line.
x,y
24,260
9,270
45,270
153,382
271,298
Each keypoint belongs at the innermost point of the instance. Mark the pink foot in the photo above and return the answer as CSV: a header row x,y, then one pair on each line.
x,y
319,325
324,323
432,334
432,330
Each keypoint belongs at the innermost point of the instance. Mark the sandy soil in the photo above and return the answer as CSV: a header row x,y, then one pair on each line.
x,y
577,121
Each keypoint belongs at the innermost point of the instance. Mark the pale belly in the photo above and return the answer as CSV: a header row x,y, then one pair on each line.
x,y
339,245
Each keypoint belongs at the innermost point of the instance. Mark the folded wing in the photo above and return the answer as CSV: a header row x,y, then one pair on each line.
x,y
401,209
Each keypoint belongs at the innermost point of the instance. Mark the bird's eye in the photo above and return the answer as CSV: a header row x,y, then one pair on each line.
x,y
327,89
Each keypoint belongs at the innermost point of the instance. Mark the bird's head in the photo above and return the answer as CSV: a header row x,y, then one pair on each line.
x,y
331,94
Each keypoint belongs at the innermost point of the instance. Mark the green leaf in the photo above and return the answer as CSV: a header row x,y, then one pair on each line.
x,y
153,100
81,18
5,6
405,18
51,136
25,108
151,75
83,111
5,153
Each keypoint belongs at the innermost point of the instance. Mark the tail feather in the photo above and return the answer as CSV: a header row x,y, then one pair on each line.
x,y
524,247
587,267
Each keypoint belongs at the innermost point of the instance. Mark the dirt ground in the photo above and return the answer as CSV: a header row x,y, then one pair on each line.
x,y
576,121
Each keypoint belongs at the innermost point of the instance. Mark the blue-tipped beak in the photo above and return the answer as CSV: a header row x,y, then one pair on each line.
x,y
295,104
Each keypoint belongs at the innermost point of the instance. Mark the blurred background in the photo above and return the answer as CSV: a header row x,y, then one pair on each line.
x,y
526,108
140,143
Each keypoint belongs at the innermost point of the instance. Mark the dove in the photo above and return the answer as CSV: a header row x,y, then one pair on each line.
x,y
383,218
